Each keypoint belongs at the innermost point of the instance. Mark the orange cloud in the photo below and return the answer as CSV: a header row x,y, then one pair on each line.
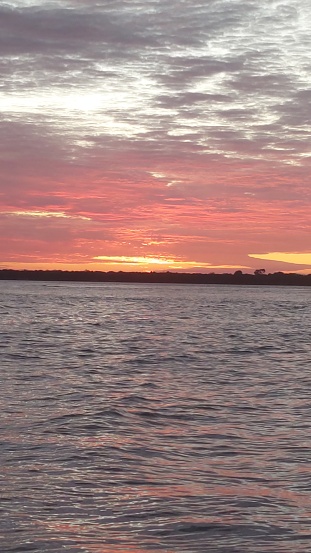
x,y
294,258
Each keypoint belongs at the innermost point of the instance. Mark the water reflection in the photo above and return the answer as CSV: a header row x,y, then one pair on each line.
x,y
148,423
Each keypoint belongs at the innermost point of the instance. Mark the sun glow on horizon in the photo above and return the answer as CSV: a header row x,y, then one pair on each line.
x,y
136,260
178,264
119,263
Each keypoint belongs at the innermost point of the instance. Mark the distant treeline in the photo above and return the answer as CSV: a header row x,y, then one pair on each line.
x,y
258,278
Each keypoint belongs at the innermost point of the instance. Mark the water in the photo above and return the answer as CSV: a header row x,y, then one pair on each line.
x,y
147,418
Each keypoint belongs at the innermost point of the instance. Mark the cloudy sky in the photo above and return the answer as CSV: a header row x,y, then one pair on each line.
x,y
156,134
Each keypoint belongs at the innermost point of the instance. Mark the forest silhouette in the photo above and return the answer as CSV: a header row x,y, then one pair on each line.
x,y
259,277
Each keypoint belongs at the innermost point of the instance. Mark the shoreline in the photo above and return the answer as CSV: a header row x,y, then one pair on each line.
x,y
237,278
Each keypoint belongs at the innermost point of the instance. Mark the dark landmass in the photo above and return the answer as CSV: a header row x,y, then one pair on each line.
x,y
258,278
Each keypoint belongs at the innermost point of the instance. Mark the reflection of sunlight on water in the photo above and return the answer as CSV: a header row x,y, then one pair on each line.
x,y
121,549
68,531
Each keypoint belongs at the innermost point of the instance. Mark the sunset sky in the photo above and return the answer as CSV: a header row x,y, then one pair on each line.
x,y
156,135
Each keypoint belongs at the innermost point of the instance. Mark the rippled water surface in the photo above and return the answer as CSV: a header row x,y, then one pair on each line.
x,y
144,418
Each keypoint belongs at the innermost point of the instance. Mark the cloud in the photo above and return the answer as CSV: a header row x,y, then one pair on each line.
x,y
197,73
100,98
294,258
43,214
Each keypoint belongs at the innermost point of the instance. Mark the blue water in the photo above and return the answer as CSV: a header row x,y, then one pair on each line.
x,y
147,418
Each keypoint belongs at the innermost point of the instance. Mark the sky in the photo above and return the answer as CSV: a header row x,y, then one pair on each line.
x,y
155,135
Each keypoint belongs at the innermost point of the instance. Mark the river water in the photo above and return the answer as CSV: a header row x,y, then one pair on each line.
x,y
147,418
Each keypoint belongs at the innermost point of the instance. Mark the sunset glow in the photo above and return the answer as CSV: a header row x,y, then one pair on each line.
x,y
171,136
